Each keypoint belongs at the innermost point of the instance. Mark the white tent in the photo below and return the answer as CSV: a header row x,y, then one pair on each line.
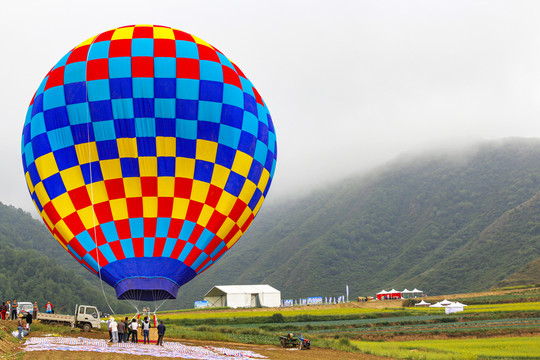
x,y
422,303
454,307
446,302
416,292
437,305
236,296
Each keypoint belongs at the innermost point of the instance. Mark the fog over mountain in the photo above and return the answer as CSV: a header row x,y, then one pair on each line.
x,y
349,86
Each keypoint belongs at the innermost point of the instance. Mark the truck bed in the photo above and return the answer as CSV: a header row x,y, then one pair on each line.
x,y
55,317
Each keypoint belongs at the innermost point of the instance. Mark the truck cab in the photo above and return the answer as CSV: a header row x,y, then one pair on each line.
x,y
87,317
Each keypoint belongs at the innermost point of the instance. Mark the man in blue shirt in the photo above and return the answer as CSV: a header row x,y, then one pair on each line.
x,y
160,331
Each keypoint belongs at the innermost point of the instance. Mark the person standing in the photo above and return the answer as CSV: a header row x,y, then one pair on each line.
x,y
121,331
49,308
35,311
146,330
109,321
133,329
160,331
8,304
14,307
3,310
126,325
114,330
28,319
20,326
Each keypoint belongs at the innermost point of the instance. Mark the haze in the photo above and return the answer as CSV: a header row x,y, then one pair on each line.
x,y
349,84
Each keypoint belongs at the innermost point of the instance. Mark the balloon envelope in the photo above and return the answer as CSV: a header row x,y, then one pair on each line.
x,y
147,153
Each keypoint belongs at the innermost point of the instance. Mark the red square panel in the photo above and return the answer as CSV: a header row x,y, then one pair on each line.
x,y
78,54
206,53
143,32
187,68
120,48
56,78
231,77
142,66
164,48
80,198
97,69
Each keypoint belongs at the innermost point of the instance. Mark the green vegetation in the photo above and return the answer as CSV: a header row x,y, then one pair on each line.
x,y
34,267
396,332
494,348
448,223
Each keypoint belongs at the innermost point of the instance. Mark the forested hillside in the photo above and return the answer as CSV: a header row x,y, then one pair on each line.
x,y
34,267
445,223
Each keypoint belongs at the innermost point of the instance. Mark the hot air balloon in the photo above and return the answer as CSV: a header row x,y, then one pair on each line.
x,y
147,153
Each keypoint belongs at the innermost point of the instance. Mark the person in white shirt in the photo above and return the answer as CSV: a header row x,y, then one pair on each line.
x,y
114,330
133,328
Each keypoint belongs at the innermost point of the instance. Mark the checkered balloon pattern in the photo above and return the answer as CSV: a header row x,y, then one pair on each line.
x,y
147,153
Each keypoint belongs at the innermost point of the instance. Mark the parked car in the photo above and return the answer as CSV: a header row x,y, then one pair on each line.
x,y
25,308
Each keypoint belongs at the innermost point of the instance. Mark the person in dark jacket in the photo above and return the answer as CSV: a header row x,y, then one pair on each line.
x,y
28,319
160,331
121,331
14,307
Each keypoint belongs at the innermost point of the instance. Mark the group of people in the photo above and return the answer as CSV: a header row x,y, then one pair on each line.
x,y
10,310
122,330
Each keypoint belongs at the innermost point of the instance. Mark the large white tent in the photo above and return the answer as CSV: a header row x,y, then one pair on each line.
x,y
236,296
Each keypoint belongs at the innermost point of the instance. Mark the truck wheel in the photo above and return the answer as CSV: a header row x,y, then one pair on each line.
x,y
282,343
87,327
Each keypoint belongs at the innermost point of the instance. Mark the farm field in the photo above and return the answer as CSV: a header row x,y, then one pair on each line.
x,y
499,325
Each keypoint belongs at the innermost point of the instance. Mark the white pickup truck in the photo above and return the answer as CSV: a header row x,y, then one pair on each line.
x,y
86,317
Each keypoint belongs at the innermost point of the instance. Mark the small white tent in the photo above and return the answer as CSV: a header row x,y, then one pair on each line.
x,y
422,303
236,296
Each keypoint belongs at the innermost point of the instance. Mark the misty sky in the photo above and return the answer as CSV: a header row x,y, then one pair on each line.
x,y
349,84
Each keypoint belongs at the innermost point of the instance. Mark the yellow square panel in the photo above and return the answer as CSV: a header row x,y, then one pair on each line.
x,y
201,42
72,178
46,165
166,146
63,205
206,214
206,150
47,220
119,209
123,33
234,239
199,191
29,182
220,176
150,206
127,147
64,230
163,33
165,186
225,228
226,203
41,193
242,163
263,181
185,167
86,42
245,215
111,169
97,192
247,191
86,153
180,207
148,166
87,217
132,187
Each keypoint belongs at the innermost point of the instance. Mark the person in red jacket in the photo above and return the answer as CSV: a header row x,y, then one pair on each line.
x,y
49,308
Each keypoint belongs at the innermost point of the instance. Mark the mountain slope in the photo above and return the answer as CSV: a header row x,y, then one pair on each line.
x,y
442,223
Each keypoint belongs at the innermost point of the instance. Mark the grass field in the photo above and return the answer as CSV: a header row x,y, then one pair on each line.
x,y
493,348
498,326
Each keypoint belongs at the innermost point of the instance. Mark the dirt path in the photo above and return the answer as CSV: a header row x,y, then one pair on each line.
x,y
271,352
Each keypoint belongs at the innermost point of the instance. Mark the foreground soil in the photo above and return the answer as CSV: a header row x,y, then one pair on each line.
x,y
271,352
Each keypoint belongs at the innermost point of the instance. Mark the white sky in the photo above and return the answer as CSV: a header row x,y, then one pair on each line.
x,y
349,84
